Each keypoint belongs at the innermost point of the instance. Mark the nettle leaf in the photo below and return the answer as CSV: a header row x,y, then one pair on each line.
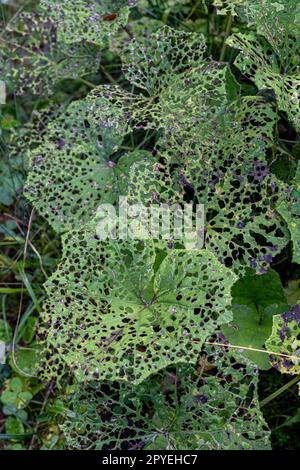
x,y
91,21
61,199
129,309
278,22
255,299
80,164
272,65
290,211
35,61
226,171
284,340
149,63
181,408
178,83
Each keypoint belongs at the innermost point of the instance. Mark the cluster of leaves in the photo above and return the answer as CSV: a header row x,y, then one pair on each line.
x,y
148,329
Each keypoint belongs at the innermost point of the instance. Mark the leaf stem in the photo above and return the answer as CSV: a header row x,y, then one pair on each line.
x,y
279,391
227,32
246,348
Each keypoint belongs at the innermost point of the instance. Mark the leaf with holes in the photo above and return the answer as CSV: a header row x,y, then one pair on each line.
x,y
90,21
177,81
33,60
285,341
290,211
271,60
213,407
131,309
225,169
80,165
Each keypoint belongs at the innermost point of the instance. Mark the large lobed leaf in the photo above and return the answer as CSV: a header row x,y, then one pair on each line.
x,y
178,83
223,166
90,21
129,309
79,163
34,60
211,407
271,59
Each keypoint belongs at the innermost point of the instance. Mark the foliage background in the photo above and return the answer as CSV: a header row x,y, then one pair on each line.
x,y
31,410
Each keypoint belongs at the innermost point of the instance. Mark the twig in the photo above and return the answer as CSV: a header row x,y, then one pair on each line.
x,y
279,391
13,347
227,32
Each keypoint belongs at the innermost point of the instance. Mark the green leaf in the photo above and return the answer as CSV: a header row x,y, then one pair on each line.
x,y
228,6
181,88
272,64
35,60
152,315
93,22
26,360
241,231
151,63
16,384
285,340
290,211
258,291
251,330
25,397
255,300
292,292
27,333
14,426
271,57
5,331
9,398
119,416
80,164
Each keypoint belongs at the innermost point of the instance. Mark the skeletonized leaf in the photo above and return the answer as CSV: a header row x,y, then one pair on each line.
x,y
285,340
290,211
79,165
213,407
34,60
90,21
130,309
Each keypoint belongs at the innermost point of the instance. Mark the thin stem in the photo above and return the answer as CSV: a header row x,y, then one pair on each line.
x,y
227,32
279,391
194,8
86,82
14,340
236,346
